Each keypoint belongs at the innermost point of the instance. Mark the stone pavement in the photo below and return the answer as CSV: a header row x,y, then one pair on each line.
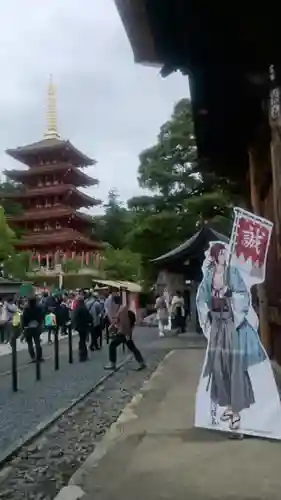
x,y
154,452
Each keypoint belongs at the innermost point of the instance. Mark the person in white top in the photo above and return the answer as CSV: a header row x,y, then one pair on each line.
x,y
178,312
162,314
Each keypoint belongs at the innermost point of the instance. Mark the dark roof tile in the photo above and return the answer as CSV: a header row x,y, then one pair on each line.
x,y
191,246
23,153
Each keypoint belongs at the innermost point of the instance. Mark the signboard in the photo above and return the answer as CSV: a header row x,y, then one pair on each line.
x,y
237,391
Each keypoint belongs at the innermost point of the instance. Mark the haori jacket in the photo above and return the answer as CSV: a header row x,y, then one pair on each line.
x,y
248,340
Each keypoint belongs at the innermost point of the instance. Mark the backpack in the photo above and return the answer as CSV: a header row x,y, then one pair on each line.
x,y
50,320
16,319
132,318
95,311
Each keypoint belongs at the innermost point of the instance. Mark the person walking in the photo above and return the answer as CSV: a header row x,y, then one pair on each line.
x,y
178,312
94,307
82,322
124,325
162,314
110,310
12,309
65,316
32,321
50,323
3,321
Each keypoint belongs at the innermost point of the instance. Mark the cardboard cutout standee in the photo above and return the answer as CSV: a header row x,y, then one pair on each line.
x,y
237,390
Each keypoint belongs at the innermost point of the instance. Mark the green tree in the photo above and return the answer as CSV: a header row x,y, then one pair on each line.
x,y
10,206
167,167
17,265
7,239
71,266
113,226
121,264
182,196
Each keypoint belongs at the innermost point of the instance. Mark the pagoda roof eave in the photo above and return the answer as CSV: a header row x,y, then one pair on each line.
x,y
51,213
67,237
191,247
21,175
23,153
85,199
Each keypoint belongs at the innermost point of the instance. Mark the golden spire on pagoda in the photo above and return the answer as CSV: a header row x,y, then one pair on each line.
x,y
51,132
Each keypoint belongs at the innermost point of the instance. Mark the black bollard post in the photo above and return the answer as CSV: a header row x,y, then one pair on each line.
x,y
70,351
38,368
56,348
107,331
101,338
14,362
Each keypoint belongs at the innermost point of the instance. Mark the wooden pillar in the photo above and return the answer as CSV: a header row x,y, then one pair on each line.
x,y
56,257
275,150
261,291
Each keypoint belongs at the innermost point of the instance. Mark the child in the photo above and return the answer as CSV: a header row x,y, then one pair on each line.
x,y
50,325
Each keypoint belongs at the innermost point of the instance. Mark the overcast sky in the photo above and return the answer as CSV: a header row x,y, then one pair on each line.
x,y
108,106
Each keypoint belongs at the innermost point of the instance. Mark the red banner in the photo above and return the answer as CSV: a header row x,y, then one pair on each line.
x,y
252,239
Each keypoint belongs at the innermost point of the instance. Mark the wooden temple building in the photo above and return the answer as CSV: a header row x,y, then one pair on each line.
x,y
181,268
232,59
53,227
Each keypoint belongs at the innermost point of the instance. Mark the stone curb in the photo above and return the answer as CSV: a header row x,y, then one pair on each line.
x,y
74,491
45,424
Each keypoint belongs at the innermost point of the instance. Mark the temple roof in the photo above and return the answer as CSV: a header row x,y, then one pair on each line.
x,y
84,199
226,53
193,33
193,247
65,236
56,212
81,179
25,153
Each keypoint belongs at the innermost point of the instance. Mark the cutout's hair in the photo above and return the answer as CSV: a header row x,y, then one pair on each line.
x,y
215,251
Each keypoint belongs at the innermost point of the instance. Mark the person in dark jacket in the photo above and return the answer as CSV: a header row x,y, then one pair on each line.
x,y
60,313
82,322
65,317
32,321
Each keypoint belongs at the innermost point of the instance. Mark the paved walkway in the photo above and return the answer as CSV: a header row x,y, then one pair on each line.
x,y
154,452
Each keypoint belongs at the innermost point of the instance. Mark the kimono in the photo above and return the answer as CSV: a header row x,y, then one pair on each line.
x,y
234,344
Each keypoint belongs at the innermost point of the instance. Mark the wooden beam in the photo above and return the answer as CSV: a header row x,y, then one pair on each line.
x,y
257,209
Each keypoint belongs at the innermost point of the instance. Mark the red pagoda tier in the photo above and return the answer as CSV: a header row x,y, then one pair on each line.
x,y
53,227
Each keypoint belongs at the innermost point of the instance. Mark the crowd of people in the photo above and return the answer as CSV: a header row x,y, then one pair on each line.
x,y
91,314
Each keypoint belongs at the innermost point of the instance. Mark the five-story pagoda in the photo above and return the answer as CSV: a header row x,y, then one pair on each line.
x,y
53,227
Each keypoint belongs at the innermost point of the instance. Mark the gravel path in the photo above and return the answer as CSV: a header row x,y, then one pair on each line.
x,y
44,467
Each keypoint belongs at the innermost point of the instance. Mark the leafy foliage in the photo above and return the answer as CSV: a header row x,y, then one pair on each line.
x,y
183,197
17,265
115,223
71,266
9,205
7,239
121,264
168,166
